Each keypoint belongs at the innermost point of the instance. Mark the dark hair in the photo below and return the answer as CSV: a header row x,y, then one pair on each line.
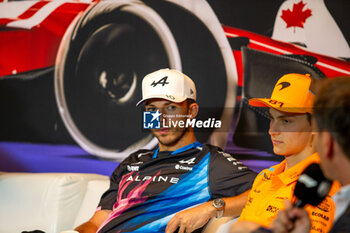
x,y
190,101
332,110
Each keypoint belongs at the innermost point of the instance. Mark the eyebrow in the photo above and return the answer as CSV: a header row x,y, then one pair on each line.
x,y
152,105
149,105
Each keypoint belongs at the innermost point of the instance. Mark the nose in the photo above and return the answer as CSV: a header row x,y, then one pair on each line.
x,y
273,130
162,115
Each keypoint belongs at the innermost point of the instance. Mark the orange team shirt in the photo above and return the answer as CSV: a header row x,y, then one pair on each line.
x,y
273,185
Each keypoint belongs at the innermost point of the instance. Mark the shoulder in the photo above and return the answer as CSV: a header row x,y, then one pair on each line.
x,y
137,156
218,155
226,161
211,148
217,152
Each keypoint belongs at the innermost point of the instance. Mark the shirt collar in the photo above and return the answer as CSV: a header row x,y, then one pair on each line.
x,y
184,148
291,175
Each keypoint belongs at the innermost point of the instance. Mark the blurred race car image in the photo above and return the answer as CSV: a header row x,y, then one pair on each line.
x,y
71,71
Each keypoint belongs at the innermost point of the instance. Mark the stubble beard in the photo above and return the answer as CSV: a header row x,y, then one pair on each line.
x,y
174,140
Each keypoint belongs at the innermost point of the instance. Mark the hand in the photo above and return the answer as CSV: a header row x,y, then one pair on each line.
x,y
291,220
191,219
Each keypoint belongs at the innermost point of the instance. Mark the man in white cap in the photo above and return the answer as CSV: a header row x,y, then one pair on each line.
x,y
151,187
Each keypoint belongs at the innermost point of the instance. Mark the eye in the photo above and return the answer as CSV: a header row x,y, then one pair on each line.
x,y
286,121
171,107
151,109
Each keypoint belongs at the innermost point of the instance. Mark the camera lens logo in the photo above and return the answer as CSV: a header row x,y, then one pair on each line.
x,y
151,120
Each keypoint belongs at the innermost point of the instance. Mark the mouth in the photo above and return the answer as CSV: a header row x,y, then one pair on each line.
x,y
276,142
163,131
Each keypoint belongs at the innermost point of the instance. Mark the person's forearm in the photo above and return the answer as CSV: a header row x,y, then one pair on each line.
x,y
196,217
94,223
87,227
235,205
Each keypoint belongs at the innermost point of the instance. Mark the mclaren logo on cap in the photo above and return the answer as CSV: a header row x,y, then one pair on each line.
x,y
161,81
284,85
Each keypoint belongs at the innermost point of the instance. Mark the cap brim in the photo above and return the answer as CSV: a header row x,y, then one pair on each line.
x,y
258,102
283,107
165,97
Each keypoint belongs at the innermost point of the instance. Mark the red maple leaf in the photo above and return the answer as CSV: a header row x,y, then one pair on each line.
x,y
296,17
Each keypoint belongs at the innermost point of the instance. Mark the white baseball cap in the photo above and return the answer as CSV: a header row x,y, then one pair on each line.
x,y
168,84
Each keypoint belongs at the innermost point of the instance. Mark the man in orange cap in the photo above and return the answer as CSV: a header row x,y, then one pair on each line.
x,y
290,109
331,114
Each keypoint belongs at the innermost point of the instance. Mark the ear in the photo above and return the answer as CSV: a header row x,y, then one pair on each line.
x,y
313,139
193,110
328,142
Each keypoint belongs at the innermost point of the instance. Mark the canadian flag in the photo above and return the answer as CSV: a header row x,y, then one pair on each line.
x,y
309,23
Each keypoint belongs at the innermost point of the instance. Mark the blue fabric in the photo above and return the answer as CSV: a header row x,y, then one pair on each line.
x,y
192,189
192,145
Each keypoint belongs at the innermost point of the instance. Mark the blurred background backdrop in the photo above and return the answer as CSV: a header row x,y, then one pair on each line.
x,y
71,72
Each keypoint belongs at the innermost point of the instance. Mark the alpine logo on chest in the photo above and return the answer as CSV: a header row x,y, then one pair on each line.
x,y
140,178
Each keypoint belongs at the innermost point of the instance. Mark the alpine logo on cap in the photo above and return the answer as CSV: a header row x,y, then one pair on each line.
x,y
161,81
284,85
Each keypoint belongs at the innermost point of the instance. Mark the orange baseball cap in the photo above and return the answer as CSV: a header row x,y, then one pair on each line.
x,y
291,94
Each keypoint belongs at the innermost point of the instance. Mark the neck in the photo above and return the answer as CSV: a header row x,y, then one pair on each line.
x,y
185,140
345,180
294,159
340,165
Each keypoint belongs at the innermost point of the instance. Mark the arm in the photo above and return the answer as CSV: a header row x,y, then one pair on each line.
x,y
196,217
94,223
227,178
105,206
235,205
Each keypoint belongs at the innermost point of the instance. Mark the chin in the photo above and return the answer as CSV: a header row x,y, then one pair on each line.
x,y
166,139
278,151
170,138
165,142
